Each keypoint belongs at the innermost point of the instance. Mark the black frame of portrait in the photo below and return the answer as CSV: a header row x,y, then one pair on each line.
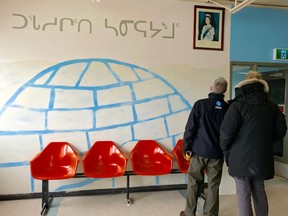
x,y
217,16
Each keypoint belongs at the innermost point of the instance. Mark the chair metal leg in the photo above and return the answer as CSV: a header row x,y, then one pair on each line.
x,y
45,196
128,190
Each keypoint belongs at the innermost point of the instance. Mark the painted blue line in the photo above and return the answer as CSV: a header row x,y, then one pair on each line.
x,y
77,185
82,74
88,140
113,182
166,127
41,143
53,70
173,141
157,180
136,74
52,99
14,164
113,72
32,184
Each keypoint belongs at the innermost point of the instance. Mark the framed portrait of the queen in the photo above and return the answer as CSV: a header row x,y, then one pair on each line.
x,y
208,28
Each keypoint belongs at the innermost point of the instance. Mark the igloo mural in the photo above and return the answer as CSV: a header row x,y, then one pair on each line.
x,y
82,101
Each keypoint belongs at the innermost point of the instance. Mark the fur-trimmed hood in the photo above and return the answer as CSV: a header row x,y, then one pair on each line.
x,y
253,91
254,80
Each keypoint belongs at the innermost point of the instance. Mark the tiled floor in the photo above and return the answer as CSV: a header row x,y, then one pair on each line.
x,y
168,203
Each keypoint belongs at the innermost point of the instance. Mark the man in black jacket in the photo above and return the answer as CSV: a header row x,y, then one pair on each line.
x,y
250,127
201,138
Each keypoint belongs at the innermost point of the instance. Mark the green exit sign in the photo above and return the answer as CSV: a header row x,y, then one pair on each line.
x,y
280,54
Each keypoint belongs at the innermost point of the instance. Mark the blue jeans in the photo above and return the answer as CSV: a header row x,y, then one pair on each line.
x,y
245,188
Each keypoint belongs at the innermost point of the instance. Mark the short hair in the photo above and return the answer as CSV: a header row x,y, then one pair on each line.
x,y
219,85
253,75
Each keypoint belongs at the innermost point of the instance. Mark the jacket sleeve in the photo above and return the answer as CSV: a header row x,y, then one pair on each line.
x,y
190,129
280,126
229,127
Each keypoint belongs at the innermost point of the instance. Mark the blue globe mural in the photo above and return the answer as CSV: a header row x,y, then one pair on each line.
x,y
94,98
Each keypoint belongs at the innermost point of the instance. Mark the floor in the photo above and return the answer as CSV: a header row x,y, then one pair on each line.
x,y
168,203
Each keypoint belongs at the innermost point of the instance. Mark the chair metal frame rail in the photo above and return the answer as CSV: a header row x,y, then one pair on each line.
x,y
47,197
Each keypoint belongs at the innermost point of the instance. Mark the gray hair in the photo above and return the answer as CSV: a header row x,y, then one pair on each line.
x,y
219,85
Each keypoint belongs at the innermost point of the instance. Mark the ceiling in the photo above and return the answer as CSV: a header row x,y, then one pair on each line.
x,y
272,3
279,4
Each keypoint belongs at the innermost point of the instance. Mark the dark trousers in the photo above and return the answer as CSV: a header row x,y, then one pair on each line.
x,y
195,180
255,187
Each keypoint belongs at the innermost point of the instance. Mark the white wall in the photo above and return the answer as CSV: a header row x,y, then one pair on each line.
x,y
62,82
281,169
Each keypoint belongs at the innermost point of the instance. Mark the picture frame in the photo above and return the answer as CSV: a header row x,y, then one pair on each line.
x,y
208,28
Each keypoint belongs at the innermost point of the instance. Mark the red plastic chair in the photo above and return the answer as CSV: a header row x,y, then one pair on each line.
x,y
104,160
182,163
57,161
148,158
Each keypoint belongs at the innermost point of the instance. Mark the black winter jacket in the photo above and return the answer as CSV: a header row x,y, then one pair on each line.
x,y
250,127
202,130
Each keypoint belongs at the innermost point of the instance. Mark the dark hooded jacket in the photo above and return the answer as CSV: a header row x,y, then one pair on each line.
x,y
250,127
202,130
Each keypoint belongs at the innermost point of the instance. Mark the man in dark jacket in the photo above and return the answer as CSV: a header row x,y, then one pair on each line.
x,y
201,138
250,127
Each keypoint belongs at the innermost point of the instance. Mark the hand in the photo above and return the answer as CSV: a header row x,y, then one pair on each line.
x,y
187,155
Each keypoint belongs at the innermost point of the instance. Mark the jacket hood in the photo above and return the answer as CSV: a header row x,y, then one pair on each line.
x,y
253,91
254,80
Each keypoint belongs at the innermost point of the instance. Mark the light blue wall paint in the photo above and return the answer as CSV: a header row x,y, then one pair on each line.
x,y
255,32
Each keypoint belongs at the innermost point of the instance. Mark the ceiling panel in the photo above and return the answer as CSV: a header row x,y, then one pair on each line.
x,y
271,3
